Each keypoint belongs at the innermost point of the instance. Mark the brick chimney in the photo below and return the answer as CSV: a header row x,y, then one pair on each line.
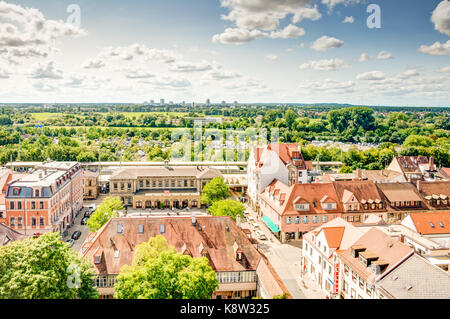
x,y
359,173
431,164
419,186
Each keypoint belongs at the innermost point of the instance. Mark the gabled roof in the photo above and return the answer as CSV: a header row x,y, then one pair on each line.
x,y
8,235
400,192
416,278
362,190
304,193
386,248
333,236
216,238
431,223
286,152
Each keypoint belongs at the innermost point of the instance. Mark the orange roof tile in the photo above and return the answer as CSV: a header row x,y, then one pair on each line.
x,y
431,223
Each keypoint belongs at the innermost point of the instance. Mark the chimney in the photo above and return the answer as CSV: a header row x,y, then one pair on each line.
x,y
359,173
166,164
194,220
431,164
402,238
419,186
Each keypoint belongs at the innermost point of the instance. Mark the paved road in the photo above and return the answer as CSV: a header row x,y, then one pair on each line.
x,y
285,258
77,226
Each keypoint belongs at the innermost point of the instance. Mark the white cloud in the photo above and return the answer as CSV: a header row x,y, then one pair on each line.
x,y
384,55
371,76
349,20
237,36
311,13
222,75
325,42
169,82
45,87
271,56
138,74
441,17
324,65
291,31
328,85
25,32
190,67
332,3
445,69
408,74
45,70
4,73
94,64
364,57
137,50
437,48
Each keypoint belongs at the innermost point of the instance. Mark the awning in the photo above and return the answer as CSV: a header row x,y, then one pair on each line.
x,y
274,228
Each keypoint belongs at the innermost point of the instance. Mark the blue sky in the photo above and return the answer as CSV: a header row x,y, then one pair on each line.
x,y
244,50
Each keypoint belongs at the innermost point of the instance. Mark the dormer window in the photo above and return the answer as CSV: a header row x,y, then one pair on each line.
x,y
119,228
97,259
140,229
16,191
36,193
116,253
162,228
432,225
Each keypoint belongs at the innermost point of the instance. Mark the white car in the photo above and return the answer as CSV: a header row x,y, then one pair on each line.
x,y
261,234
255,225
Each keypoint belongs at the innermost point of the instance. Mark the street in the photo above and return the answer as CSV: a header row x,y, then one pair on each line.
x,y
285,258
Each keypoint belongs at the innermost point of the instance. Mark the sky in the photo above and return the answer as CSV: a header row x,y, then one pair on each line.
x,y
376,52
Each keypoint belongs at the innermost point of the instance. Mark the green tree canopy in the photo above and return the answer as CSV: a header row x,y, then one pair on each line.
x,y
214,191
160,272
44,268
227,207
105,211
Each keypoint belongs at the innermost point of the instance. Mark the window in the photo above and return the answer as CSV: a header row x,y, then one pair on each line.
x,y
116,253
115,186
129,185
345,287
19,205
353,294
354,276
324,219
346,270
33,205
432,225
12,221
162,228
297,220
97,259
11,205
33,221
16,191
288,220
41,205
41,221
141,229
361,283
36,193
185,183
141,184
119,228
19,221
315,219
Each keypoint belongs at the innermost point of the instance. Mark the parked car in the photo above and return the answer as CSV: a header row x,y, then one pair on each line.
x,y
70,242
261,234
76,235
84,220
87,214
91,207
255,225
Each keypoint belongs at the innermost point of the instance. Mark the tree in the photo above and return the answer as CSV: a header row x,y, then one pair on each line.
x,y
105,211
44,268
158,271
227,207
214,191
346,170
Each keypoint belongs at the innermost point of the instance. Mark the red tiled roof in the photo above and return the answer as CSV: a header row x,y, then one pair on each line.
x,y
422,222
333,236
217,237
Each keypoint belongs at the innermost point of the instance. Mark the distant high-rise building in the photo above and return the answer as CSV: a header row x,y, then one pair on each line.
x,y
162,102
183,103
208,102
236,103
152,101
224,102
